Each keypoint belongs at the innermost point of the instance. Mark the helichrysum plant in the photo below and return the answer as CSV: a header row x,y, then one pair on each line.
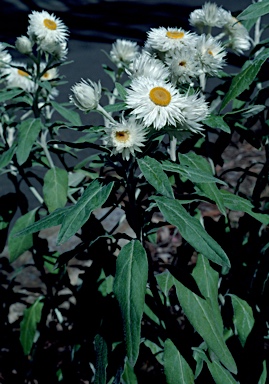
x,y
152,166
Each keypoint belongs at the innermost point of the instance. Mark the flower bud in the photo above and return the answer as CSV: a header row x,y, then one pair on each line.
x,y
86,95
24,45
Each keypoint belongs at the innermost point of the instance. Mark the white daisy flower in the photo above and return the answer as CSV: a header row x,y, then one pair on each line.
x,y
164,39
5,57
24,45
18,77
123,52
239,39
50,74
184,65
211,54
54,48
209,15
194,111
125,137
86,95
154,101
45,26
148,66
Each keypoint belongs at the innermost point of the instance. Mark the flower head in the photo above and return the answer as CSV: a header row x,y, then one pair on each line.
x,y
209,15
24,45
123,52
86,95
148,66
18,77
211,54
154,101
125,137
45,26
194,111
239,39
56,49
5,57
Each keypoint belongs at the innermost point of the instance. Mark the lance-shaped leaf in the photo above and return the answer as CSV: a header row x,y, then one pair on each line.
x,y
8,95
93,197
28,325
214,121
6,156
55,188
243,318
191,230
207,280
176,368
129,289
28,132
154,174
68,114
52,220
200,314
220,374
263,378
254,11
243,80
237,203
18,245
165,281
210,190
100,347
129,376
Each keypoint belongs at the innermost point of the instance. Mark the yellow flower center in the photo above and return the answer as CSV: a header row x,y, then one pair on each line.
x,y
50,24
160,96
175,34
122,136
210,52
182,63
22,73
46,75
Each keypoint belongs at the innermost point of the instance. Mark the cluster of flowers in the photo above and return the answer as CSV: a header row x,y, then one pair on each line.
x,y
46,34
162,78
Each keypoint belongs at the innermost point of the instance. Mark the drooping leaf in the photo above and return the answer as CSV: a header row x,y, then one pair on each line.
x,y
165,281
238,203
220,374
152,170
70,115
100,347
28,325
6,157
129,289
55,188
28,132
243,318
191,230
93,197
18,245
243,80
156,350
263,378
207,280
216,121
254,11
200,314
129,376
176,368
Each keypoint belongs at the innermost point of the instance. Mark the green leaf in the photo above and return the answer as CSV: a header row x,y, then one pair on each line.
x,y
176,368
254,11
129,289
117,107
128,376
100,347
17,246
165,281
220,374
200,314
207,280
191,230
152,170
8,95
214,121
156,350
237,203
263,377
93,197
68,114
28,132
55,188
52,220
6,157
121,90
243,80
243,318
28,325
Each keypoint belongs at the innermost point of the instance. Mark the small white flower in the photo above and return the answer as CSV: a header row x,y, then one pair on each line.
x,y
24,45
211,54
184,65
125,137
209,15
86,95
194,111
239,39
148,66
154,101
56,49
45,26
164,39
5,57
50,74
123,52
18,77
